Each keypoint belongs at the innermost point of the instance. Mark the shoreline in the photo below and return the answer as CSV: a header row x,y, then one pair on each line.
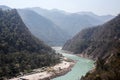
x,y
80,55
50,72
85,56
61,73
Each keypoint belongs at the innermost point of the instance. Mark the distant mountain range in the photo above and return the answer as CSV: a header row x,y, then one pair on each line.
x,y
16,36
54,27
43,28
72,22
103,18
3,7
20,51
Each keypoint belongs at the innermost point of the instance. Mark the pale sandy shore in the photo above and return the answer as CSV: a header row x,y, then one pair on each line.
x,y
50,72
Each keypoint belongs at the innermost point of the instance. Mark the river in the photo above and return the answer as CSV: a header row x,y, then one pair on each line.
x,y
82,66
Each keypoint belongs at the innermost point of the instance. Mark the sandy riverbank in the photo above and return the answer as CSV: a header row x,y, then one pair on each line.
x,y
50,72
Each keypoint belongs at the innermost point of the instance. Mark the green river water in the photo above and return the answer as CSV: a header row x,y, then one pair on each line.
x,y
82,66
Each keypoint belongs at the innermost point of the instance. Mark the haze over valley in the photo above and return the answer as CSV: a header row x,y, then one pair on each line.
x,y
59,40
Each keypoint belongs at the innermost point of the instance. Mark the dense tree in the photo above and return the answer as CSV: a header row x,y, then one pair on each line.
x,y
96,41
13,63
108,50
20,51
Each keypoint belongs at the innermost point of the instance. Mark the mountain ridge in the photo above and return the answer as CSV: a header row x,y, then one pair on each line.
x,y
71,22
43,28
20,51
95,41
102,44
4,7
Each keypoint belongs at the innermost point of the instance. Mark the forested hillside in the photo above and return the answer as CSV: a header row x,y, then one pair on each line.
x,y
97,41
20,51
106,69
109,67
101,43
72,22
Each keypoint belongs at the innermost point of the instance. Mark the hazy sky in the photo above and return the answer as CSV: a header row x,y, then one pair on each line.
x,y
100,7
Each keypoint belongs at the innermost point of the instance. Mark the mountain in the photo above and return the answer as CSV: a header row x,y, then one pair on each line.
x,y
16,35
20,51
106,69
43,28
103,18
101,43
97,41
4,7
72,22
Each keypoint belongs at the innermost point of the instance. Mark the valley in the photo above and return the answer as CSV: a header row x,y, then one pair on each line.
x,y
82,66
59,40
69,70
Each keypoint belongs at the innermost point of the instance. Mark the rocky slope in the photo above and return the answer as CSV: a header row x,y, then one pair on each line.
x,y
101,43
97,41
106,69
109,67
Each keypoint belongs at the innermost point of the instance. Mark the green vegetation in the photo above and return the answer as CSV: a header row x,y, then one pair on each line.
x,y
96,41
81,46
13,64
108,64
101,43
15,36
108,69
20,51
